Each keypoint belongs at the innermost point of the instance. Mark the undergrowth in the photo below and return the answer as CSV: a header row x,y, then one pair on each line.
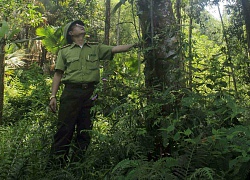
x,y
204,137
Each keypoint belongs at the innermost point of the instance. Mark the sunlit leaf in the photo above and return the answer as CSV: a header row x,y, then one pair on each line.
x,y
3,29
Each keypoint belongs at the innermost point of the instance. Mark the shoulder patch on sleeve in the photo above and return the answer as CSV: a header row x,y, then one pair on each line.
x,y
92,43
67,45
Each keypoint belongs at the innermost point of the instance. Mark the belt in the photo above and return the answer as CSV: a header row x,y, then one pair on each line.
x,y
80,85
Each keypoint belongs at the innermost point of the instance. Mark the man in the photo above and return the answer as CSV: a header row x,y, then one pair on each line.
x,y
77,67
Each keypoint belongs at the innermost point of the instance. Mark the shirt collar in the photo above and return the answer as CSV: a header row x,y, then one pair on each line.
x,y
74,44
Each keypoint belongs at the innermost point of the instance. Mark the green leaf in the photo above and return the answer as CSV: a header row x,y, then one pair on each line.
x,y
214,131
188,132
170,128
177,136
13,33
40,31
52,38
4,29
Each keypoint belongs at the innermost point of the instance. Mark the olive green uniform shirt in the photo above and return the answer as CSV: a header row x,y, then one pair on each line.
x,y
81,65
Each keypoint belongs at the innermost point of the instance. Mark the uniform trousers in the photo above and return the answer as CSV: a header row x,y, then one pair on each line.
x,y
73,116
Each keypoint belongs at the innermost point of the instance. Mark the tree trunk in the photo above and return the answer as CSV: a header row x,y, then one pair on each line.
x,y
107,22
118,27
106,35
159,34
43,57
178,12
229,57
2,44
246,11
106,41
190,51
179,34
162,62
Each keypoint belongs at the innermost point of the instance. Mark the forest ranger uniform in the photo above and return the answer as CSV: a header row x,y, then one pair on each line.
x,y
81,73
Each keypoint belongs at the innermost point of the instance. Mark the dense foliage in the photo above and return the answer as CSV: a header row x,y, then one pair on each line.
x,y
196,132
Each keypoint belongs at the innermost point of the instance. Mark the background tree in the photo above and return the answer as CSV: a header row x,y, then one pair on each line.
x,y
162,60
107,22
8,33
246,11
2,45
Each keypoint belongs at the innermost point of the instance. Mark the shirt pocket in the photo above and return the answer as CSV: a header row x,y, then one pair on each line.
x,y
92,62
73,64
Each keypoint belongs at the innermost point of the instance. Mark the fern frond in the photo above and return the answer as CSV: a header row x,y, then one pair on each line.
x,y
60,174
139,169
190,160
194,157
205,173
125,164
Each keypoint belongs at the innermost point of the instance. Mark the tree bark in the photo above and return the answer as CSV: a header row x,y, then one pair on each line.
x,y
2,44
246,11
159,33
229,57
162,62
107,22
118,27
190,51
106,41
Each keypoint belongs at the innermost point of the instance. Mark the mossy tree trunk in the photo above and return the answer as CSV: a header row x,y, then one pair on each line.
x,y
2,44
107,22
159,31
160,34
246,11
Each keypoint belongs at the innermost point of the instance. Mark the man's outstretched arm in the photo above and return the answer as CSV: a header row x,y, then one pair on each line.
x,y
123,48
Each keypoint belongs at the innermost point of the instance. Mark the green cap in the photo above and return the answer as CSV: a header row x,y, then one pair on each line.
x,y
67,29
